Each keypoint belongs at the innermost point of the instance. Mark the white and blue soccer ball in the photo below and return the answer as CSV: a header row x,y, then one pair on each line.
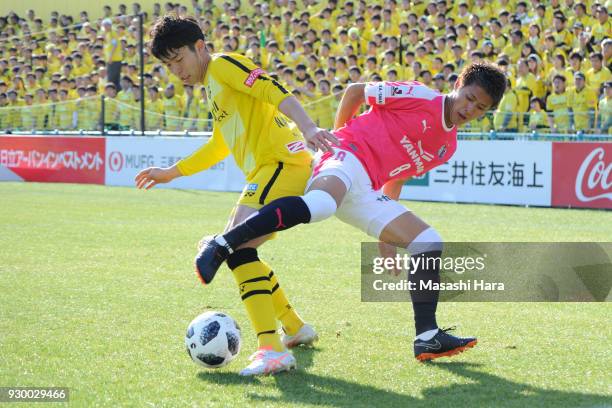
x,y
213,339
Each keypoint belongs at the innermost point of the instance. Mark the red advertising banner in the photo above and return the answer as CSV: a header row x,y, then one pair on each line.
x,y
582,175
54,159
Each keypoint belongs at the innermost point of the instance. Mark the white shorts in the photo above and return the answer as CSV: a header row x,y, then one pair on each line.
x,y
362,207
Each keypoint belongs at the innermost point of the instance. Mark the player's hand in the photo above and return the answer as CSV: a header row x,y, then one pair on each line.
x,y
320,139
152,176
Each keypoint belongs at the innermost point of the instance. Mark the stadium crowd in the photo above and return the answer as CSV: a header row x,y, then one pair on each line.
x,y
557,56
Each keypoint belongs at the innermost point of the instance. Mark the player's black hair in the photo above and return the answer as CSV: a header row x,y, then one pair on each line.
x,y
172,32
487,76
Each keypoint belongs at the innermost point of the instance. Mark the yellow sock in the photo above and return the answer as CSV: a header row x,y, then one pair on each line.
x,y
285,313
256,294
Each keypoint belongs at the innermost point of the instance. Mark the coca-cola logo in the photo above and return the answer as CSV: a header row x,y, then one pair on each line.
x,y
594,178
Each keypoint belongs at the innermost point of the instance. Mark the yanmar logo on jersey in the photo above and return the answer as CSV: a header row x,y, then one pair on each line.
x,y
295,147
253,76
416,153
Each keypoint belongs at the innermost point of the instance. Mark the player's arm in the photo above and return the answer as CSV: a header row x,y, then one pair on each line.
x,y
205,157
243,75
352,99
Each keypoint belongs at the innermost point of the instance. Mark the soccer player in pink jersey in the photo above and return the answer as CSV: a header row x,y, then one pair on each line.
x,y
408,130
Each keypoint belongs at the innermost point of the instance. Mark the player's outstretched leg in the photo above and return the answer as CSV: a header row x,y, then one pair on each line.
x,y
430,342
279,215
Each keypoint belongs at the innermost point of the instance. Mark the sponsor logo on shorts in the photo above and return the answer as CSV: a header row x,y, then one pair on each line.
x,y
253,76
250,189
295,147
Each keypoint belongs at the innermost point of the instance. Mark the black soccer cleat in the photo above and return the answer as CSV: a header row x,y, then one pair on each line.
x,y
442,345
209,259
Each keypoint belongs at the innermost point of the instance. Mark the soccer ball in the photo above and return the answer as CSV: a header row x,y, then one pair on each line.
x,y
213,339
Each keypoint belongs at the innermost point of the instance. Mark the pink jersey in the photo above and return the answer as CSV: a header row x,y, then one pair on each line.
x,y
402,135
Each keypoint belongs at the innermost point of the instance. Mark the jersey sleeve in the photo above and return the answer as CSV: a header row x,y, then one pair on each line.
x,y
241,74
397,94
205,157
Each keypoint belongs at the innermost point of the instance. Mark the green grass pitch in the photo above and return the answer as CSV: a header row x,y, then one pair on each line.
x,y
97,288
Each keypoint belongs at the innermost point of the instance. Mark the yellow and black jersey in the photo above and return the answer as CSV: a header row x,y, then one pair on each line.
x,y
243,101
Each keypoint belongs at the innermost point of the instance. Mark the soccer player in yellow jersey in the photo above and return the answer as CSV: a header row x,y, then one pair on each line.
x,y
248,109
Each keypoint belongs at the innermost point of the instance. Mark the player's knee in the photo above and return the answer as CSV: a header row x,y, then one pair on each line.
x,y
320,204
427,240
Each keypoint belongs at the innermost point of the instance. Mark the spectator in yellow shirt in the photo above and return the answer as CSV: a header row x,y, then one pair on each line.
x,y
505,118
557,105
79,67
582,103
13,119
40,110
28,119
155,110
89,119
191,109
604,111
525,87
126,98
537,116
603,25
575,63
534,63
113,51
558,68
111,110
390,63
52,117
3,111
513,50
440,83
65,111
581,16
563,38
598,74
173,109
